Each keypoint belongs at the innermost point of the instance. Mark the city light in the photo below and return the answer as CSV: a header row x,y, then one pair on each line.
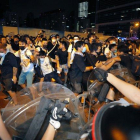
x,y
137,24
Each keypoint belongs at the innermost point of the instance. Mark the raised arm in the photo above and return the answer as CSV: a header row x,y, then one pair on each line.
x,y
128,90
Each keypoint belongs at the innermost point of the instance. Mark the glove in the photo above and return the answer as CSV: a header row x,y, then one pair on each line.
x,y
59,112
100,74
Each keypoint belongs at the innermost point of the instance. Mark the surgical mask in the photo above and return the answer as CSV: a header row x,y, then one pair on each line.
x,y
76,41
22,47
57,39
2,54
84,50
53,40
115,51
42,60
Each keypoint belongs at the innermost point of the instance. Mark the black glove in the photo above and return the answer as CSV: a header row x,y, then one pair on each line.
x,y
100,74
59,112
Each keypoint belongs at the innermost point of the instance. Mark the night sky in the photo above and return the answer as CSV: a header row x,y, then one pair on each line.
x,y
22,7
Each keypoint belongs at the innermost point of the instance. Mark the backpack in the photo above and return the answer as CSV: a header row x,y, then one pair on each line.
x,y
135,65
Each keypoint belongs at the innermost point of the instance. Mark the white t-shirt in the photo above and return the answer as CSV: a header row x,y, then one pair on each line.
x,y
72,51
46,67
107,51
24,59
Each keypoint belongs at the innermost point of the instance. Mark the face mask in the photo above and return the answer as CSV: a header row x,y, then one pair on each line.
x,y
115,51
22,47
113,42
2,54
84,50
53,40
75,41
57,39
42,60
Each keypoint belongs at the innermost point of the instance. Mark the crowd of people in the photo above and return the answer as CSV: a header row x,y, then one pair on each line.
x,y
67,60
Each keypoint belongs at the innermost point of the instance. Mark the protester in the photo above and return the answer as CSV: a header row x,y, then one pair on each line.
x,y
41,60
52,47
27,60
78,67
72,50
8,71
45,63
8,46
62,59
113,50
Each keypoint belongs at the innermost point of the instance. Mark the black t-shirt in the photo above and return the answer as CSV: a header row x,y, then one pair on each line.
x,y
62,56
77,68
49,47
126,61
7,66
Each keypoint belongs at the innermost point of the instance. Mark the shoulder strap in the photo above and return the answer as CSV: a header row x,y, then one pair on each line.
x,y
51,49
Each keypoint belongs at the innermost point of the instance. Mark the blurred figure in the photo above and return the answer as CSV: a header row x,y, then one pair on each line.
x,y
8,71
78,67
52,47
45,63
72,50
38,40
27,60
15,43
113,50
62,59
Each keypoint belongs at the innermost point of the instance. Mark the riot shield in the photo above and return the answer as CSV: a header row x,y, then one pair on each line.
x,y
19,118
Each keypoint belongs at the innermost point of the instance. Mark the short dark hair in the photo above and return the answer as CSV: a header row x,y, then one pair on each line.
x,y
112,46
94,47
123,49
44,39
57,35
22,39
69,35
64,43
42,53
89,35
78,44
15,36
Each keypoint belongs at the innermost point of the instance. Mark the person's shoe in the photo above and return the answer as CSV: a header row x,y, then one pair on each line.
x,y
24,94
7,98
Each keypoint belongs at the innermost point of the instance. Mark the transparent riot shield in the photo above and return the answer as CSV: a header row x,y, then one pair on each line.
x,y
19,118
